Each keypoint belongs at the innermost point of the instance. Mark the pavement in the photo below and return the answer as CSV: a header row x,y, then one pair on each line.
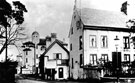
x,y
23,79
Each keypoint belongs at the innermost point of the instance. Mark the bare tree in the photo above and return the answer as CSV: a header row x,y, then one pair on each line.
x,y
11,19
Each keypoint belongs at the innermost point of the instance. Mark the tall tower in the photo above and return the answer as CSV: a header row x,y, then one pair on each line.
x,y
35,37
35,40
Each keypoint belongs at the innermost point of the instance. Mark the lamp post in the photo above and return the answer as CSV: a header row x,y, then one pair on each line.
x,y
116,44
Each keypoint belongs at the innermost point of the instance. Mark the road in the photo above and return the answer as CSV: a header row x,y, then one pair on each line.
x,y
20,79
36,81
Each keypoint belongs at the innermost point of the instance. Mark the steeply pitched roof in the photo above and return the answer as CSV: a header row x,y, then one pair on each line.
x,y
95,17
59,43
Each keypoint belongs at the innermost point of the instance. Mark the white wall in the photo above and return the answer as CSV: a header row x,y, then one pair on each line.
x,y
57,49
111,35
51,63
65,72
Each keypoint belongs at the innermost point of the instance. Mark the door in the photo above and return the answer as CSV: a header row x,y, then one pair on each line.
x,y
60,72
116,59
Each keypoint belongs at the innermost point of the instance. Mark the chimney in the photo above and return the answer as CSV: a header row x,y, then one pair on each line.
x,y
48,41
53,37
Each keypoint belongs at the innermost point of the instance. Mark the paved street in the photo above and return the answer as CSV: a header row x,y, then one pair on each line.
x,y
29,81
21,79
36,81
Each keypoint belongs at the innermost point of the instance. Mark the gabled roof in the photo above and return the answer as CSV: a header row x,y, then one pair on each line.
x,y
42,42
59,43
95,17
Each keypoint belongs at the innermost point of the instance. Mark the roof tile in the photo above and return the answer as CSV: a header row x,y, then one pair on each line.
x,y
95,17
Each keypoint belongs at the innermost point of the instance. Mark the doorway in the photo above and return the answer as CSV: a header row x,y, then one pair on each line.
x,y
60,72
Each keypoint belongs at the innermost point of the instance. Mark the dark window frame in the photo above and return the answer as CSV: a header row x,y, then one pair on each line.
x,y
93,61
126,42
57,56
72,30
92,41
70,47
127,57
26,52
26,60
72,63
81,60
80,43
104,41
104,57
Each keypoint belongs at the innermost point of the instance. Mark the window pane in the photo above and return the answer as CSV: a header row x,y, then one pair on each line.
x,y
57,56
104,57
92,40
72,63
93,59
126,57
104,41
81,60
26,52
126,42
80,42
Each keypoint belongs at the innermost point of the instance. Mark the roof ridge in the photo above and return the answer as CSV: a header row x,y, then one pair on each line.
x,y
50,46
98,17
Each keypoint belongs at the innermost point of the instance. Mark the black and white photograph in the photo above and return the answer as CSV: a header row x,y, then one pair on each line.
x,y
67,41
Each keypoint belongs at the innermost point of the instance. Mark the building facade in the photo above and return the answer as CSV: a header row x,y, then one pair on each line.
x,y
31,53
92,41
54,62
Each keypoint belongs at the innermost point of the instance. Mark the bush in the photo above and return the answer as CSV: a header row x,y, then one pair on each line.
x,y
7,72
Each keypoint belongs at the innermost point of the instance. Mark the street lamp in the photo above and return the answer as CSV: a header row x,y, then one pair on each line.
x,y
116,44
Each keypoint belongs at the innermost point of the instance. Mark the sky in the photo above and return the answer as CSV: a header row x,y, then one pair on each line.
x,y
54,16
49,16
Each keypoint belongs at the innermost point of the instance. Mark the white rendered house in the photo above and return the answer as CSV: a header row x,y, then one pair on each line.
x,y
92,34
55,61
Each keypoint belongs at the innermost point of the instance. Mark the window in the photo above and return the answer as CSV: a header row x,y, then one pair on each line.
x,y
80,43
70,47
72,63
126,42
93,59
26,60
127,57
78,24
104,41
57,56
81,60
133,40
72,30
92,40
42,48
104,57
26,52
74,16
